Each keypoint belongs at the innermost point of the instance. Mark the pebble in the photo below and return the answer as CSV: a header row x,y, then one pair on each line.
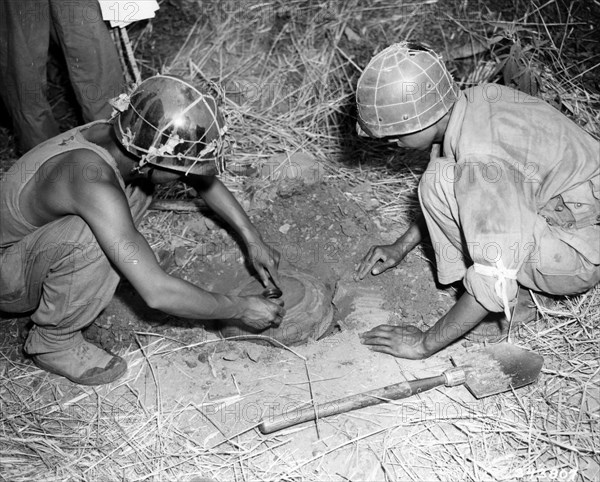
x,y
210,224
284,228
181,255
253,353
191,363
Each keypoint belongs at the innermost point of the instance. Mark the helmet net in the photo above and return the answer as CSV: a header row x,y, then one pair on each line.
x,y
168,122
405,88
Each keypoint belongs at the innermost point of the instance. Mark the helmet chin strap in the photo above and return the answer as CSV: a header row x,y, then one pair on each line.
x,y
145,171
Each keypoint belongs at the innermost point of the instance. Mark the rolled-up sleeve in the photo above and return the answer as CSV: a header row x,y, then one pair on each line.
x,y
497,215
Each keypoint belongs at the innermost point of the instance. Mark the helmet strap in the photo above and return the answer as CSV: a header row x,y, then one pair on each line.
x,y
119,104
136,169
143,161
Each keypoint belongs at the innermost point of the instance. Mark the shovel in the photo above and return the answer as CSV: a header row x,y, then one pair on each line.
x,y
489,371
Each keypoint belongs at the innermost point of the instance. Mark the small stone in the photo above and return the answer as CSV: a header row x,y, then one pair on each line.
x,y
191,363
165,258
210,224
372,204
319,448
284,228
181,255
232,356
253,353
298,166
198,226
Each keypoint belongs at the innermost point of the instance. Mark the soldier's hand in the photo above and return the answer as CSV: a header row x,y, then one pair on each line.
x,y
398,341
265,260
380,259
261,313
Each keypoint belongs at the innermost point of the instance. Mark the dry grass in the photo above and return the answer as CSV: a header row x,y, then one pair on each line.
x,y
286,74
51,431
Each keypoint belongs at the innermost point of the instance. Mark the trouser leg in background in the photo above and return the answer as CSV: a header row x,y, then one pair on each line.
x,y
92,59
60,273
24,42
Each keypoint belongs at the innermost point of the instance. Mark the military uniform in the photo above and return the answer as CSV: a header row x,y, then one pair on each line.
x,y
514,199
56,271
92,60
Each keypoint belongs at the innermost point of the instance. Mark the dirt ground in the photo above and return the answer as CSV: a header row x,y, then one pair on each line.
x,y
233,385
317,230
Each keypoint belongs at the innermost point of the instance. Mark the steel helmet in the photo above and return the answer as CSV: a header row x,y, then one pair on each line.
x,y
168,122
404,89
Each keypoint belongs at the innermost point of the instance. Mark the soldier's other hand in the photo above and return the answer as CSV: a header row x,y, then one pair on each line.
x,y
379,259
261,313
398,341
265,261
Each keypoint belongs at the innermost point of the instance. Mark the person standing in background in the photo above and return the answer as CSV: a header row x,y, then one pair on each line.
x,y
94,68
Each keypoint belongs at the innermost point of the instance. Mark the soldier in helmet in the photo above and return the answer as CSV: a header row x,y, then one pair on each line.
x,y
510,198
69,211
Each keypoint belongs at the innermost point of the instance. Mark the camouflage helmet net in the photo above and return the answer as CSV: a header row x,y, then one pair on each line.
x,y
404,89
167,122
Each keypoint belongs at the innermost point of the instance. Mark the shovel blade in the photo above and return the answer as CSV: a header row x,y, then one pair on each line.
x,y
499,368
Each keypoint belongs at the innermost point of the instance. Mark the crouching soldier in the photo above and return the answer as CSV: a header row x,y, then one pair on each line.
x,y
510,198
69,210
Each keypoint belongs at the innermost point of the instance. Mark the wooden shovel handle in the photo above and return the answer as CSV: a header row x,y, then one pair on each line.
x,y
353,402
